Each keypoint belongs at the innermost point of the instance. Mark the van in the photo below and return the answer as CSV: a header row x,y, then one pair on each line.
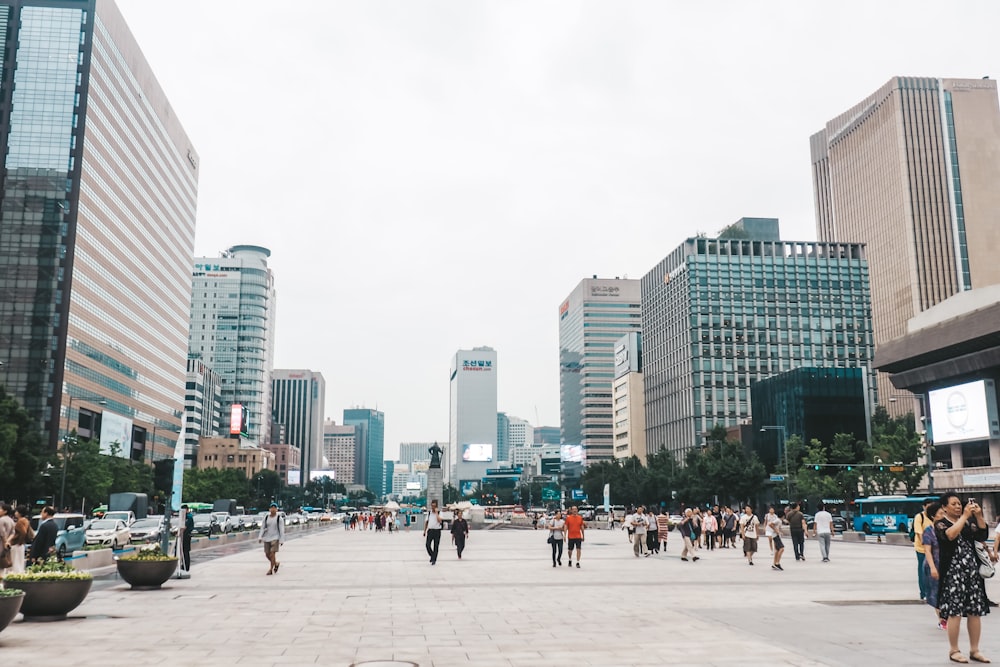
x,y
125,516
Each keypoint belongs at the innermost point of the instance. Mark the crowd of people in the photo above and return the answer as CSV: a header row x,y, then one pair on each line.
x,y
378,521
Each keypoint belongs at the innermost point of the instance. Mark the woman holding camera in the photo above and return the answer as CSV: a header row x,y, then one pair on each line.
x,y
961,591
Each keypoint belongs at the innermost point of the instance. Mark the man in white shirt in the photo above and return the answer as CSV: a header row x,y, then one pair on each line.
x,y
432,532
272,534
638,523
823,531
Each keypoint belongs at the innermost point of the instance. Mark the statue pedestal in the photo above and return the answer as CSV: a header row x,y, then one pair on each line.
x,y
435,486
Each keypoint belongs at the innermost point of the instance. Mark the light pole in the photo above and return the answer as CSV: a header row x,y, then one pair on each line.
x,y
784,454
65,454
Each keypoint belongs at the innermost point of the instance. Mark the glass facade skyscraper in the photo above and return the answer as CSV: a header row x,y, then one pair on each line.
x,y
298,398
721,314
232,329
97,219
592,318
371,436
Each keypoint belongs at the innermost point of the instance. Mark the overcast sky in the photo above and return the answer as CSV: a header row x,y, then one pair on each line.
x,y
433,176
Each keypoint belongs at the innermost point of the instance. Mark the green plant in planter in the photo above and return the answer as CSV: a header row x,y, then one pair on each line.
x,y
10,592
51,570
147,554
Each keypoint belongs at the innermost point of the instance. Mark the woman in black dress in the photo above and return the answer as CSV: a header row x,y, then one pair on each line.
x,y
961,591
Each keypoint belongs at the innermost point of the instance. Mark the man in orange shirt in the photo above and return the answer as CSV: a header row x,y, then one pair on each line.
x,y
574,535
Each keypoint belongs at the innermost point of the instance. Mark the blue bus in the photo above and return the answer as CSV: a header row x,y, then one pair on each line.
x,y
887,514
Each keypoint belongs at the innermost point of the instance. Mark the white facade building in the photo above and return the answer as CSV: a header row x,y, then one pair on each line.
x,y
232,329
472,447
341,449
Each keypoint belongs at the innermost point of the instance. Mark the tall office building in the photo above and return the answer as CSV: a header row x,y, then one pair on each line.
x,y
720,314
232,329
548,435
628,396
203,412
503,437
342,451
472,418
595,314
415,451
298,398
97,216
912,172
371,436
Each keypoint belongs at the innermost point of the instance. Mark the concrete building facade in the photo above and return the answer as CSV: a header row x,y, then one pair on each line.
x,y
628,399
234,453
97,220
203,414
595,314
472,416
371,438
298,399
342,451
911,171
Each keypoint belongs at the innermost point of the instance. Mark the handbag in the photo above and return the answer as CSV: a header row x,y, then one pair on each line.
x,y
551,540
986,567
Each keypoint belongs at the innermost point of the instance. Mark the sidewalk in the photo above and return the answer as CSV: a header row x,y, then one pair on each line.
x,y
343,597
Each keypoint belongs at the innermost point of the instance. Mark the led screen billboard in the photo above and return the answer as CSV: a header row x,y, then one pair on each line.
x,y
467,487
572,453
116,434
477,453
963,412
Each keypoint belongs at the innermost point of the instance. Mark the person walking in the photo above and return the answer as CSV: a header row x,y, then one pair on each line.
x,y
21,536
772,528
652,533
797,529
639,525
709,527
6,532
557,535
932,552
44,544
272,534
432,532
662,529
748,529
459,532
961,591
186,538
575,528
689,536
823,531
729,528
921,520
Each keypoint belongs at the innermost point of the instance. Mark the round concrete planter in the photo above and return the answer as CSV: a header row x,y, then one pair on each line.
x,y
51,600
146,574
10,605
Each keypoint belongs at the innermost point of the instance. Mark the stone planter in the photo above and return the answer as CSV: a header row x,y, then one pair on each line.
x,y
51,600
9,607
146,574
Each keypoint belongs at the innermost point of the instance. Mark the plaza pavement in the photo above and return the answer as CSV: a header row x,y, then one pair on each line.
x,y
343,598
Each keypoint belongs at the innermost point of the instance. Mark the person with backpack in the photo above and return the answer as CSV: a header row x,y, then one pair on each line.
x,y
272,534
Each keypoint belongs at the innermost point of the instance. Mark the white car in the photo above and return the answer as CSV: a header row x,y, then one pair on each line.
x,y
226,524
108,533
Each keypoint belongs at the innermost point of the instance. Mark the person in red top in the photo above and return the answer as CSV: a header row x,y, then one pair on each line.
x,y
574,535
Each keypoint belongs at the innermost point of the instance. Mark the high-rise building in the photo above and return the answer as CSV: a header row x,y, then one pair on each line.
x,y
912,172
203,413
472,417
342,451
548,435
232,329
519,432
594,315
720,314
371,436
503,437
415,451
628,398
97,219
298,398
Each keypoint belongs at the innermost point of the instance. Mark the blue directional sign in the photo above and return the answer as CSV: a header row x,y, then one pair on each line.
x,y
777,478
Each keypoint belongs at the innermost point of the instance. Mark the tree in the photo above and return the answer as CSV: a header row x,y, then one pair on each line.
x,y
88,477
207,485
28,469
895,444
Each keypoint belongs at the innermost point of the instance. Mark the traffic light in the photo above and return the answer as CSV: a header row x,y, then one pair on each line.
x,y
849,468
881,468
816,467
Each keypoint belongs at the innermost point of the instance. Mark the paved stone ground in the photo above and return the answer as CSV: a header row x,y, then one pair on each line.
x,y
343,598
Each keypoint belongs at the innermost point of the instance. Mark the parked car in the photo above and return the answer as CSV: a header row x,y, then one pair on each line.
x,y
205,524
147,530
108,533
72,534
126,517
839,523
226,523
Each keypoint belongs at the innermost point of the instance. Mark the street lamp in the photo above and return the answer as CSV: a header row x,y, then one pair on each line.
x,y
65,454
784,454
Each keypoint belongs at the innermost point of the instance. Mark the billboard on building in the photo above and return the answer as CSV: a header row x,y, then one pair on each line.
x,y
319,474
964,412
116,435
571,453
294,477
468,487
239,420
481,453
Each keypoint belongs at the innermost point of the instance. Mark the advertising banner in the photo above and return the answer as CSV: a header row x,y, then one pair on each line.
x,y
116,435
